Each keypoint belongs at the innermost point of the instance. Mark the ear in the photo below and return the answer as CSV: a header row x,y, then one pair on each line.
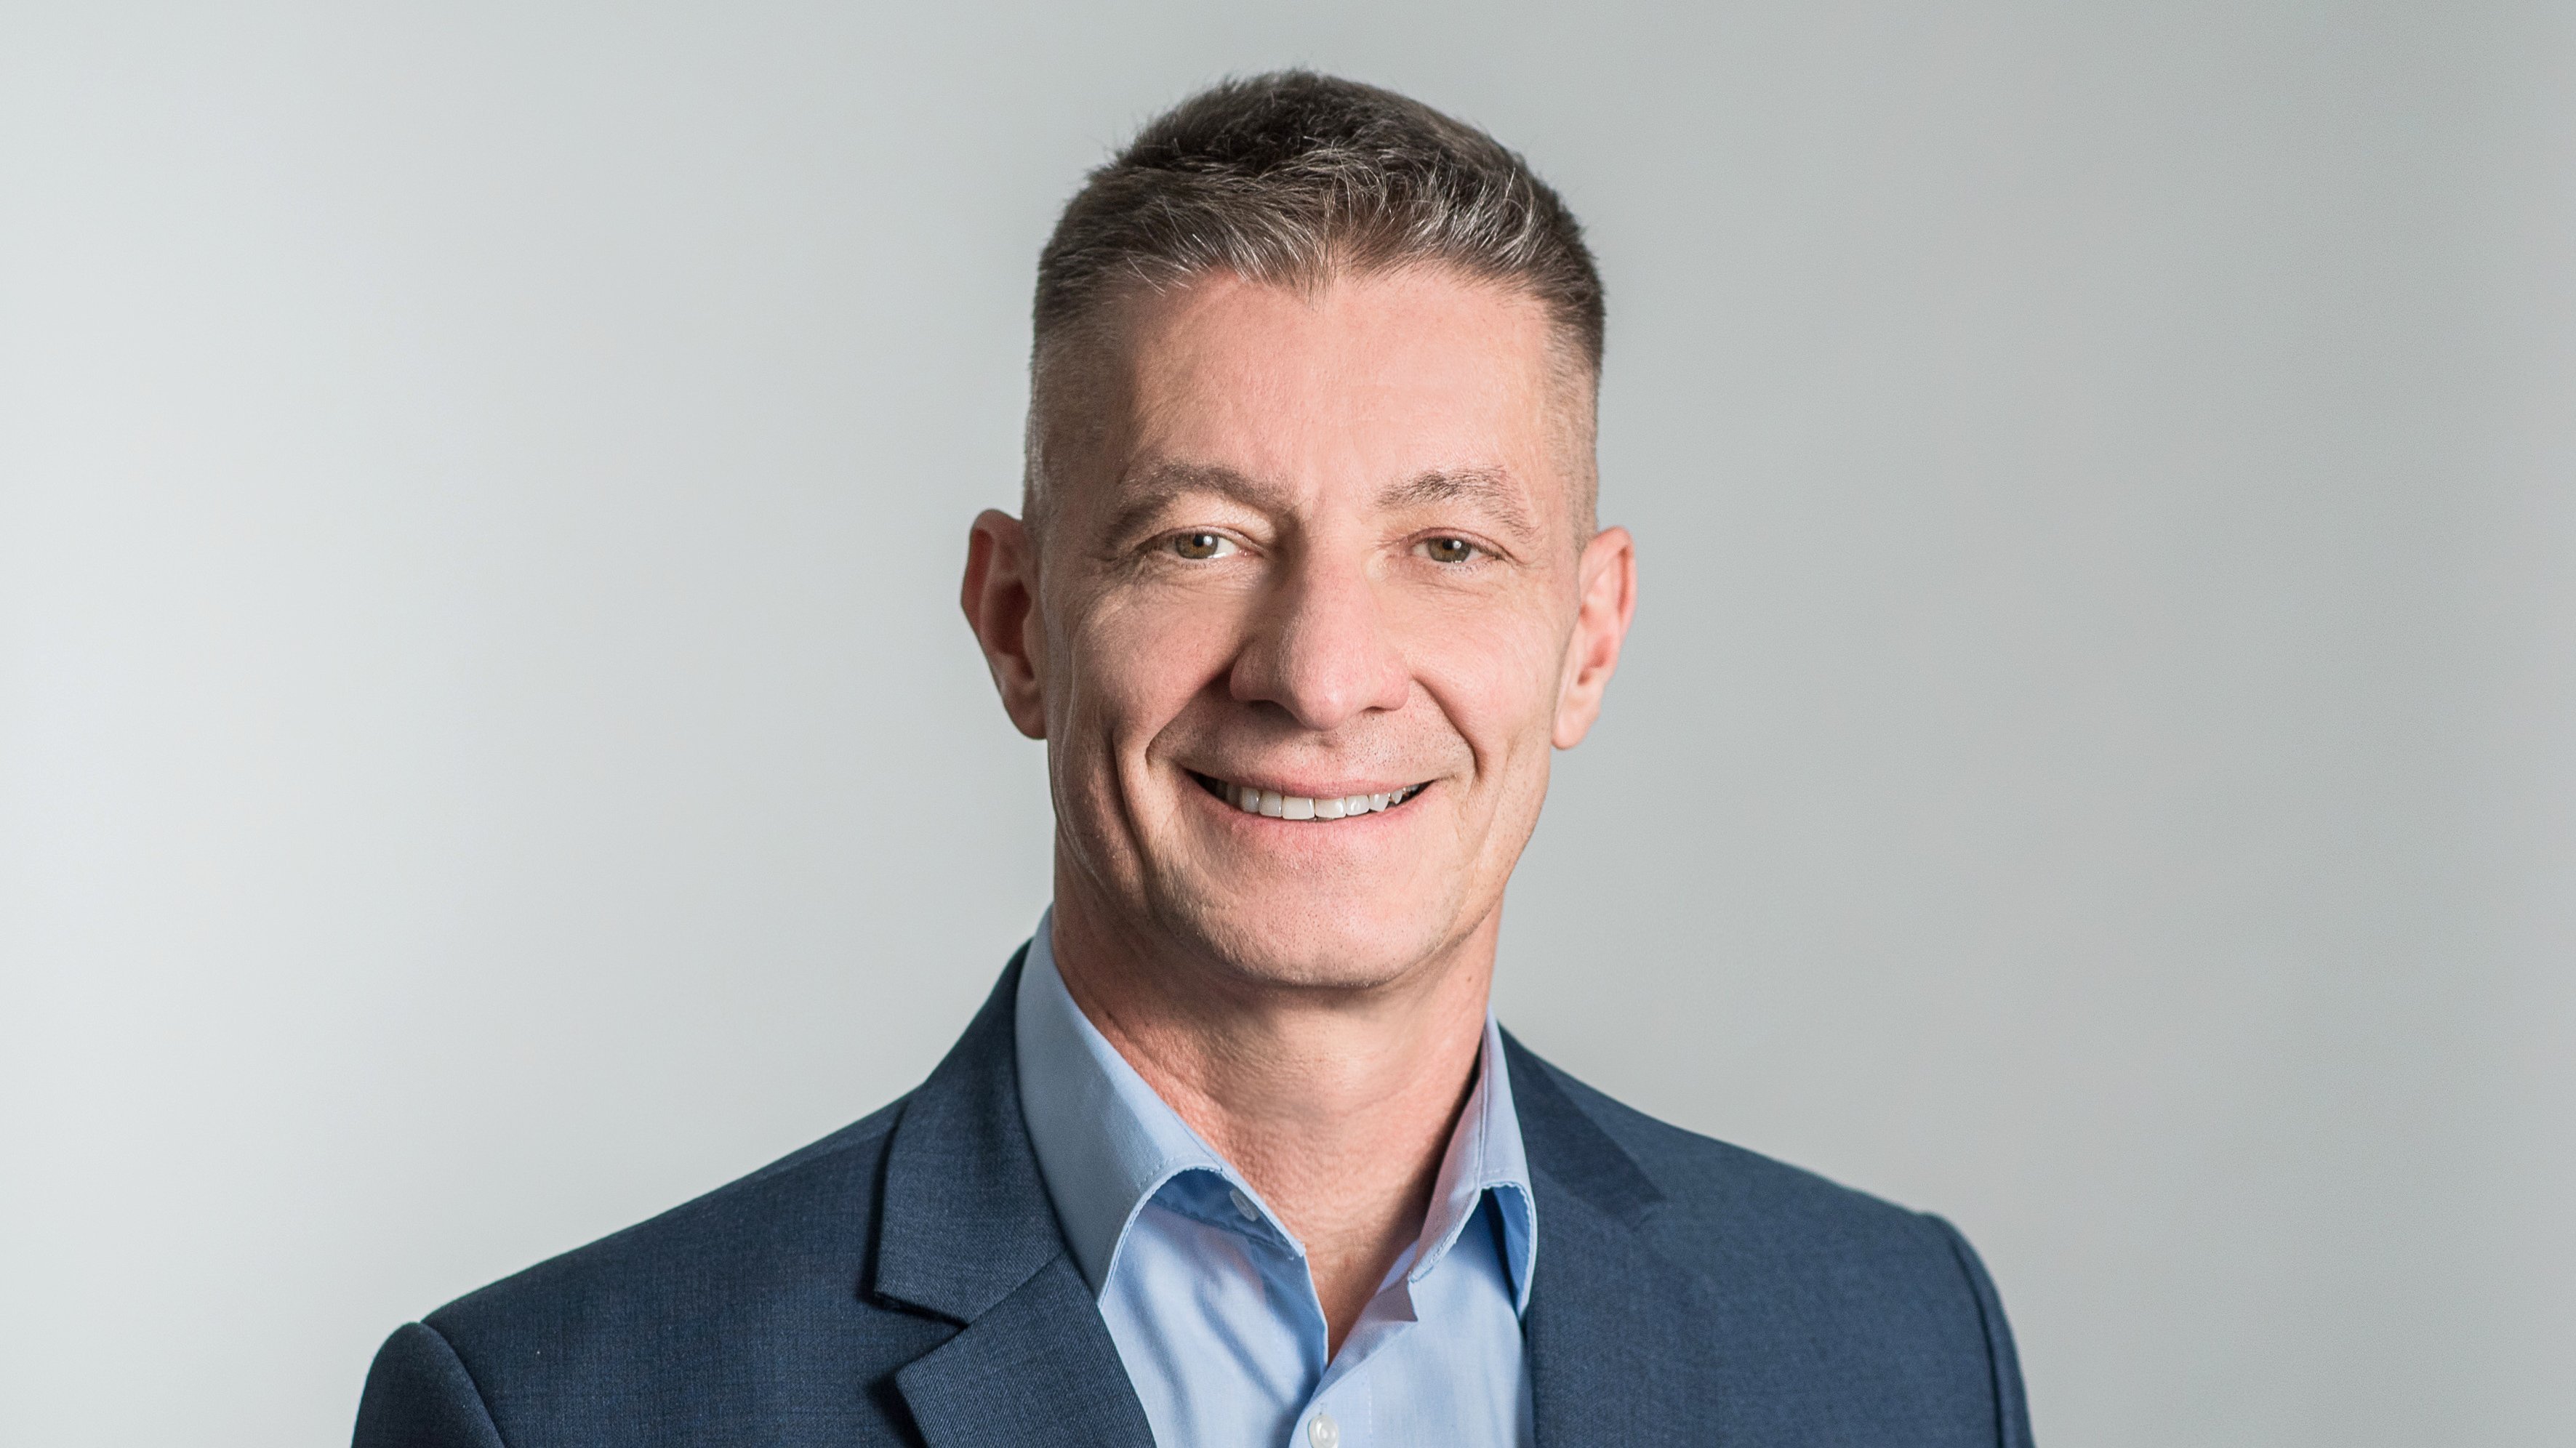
x,y
1000,596
1606,581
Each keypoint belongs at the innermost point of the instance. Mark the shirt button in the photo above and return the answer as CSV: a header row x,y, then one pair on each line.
x,y
1243,1204
1323,1432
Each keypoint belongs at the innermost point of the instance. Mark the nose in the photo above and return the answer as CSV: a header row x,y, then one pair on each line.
x,y
1320,648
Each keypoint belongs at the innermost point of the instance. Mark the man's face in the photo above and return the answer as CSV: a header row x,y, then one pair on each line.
x,y
1311,610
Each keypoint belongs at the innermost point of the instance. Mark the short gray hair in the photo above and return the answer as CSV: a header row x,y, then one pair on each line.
x,y
1293,178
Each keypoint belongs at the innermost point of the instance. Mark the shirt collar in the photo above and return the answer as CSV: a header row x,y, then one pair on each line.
x,y
1107,1144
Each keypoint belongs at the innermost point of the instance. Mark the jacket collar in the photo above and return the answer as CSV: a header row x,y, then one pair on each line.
x,y
966,1233
1618,1344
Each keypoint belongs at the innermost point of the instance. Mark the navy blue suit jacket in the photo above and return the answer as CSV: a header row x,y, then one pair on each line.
x,y
903,1281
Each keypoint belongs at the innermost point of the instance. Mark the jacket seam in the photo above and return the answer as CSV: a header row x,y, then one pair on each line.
x,y
1985,1327
481,1403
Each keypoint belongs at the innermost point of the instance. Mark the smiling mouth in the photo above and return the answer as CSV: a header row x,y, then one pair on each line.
x,y
1279,806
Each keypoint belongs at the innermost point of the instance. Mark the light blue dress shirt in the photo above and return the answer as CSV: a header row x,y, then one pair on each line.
x,y
1208,1296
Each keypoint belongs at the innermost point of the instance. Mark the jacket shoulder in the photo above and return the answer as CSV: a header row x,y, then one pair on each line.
x,y
815,1201
773,1268
1704,1180
1894,1302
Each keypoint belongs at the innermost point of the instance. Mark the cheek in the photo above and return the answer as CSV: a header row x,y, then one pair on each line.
x,y
1494,673
1139,661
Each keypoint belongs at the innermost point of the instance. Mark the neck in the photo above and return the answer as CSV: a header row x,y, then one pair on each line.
x,y
1335,1104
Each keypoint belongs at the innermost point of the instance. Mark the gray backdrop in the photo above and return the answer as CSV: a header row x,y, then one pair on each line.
x,y
487,748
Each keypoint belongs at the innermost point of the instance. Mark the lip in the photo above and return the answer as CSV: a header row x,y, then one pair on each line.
x,y
1310,788
1259,802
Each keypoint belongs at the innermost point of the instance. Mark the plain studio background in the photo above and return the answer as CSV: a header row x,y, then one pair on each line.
x,y
488,749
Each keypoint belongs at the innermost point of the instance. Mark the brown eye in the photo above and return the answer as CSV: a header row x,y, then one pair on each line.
x,y
1201,545
1449,550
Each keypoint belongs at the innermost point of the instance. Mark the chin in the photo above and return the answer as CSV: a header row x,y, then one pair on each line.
x,y
1306,943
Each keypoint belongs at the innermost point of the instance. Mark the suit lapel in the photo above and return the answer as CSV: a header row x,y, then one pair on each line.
x,y
967,1233
1022,1373
1612,1358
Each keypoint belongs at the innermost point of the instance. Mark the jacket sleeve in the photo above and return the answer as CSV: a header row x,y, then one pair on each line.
x,y
420,1396
2012,1410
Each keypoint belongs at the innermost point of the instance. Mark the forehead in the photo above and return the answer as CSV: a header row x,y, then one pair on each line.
x,y
1363,381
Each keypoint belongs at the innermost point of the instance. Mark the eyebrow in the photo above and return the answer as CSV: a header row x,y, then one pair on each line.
x,y
1152,488
1489,488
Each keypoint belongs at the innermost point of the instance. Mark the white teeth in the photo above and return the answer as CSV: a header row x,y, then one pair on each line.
x,y
1253,800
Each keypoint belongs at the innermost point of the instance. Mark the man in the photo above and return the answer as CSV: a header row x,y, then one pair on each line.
x,y
1306,589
